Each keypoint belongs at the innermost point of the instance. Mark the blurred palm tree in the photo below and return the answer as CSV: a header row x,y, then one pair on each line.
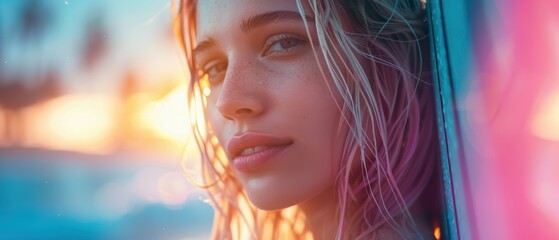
x,y
35,20
20,89
95,41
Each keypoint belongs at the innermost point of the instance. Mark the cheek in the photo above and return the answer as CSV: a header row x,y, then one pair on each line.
x,y
328,142
217,124
325,129
214,118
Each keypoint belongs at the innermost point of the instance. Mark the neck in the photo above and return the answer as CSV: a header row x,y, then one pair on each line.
x,y
320,213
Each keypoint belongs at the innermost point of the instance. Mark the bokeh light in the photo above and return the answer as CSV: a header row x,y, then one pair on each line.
x,y
545,123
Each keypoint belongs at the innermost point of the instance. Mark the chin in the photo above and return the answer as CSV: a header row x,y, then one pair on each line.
x,y
270,202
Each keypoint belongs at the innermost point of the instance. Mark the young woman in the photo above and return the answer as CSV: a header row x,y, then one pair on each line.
x,y
318,116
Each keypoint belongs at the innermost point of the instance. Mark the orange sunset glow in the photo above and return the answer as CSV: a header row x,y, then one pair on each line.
x,y
95,123
83,123
168,117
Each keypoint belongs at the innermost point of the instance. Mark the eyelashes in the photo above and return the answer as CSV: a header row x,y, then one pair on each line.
x,y
211,75
282,44
213,69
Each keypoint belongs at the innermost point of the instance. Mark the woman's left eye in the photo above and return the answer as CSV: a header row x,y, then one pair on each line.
x,y
283,44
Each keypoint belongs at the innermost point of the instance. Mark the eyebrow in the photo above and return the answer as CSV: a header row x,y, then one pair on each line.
x,y
254,22
203,45
269,17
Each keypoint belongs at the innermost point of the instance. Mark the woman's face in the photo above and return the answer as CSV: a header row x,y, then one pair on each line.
x,y
269,106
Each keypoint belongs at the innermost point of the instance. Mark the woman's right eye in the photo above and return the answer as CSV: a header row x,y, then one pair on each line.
x,y
214,71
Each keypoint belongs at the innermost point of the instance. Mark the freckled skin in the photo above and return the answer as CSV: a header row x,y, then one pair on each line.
x,y
279,96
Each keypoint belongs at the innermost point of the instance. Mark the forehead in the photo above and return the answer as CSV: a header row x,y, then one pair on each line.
x,y
215,16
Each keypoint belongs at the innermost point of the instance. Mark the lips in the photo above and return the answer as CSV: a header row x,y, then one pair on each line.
x,y
252,150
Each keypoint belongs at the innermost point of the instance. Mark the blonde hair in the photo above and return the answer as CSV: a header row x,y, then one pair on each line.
x,y
373,53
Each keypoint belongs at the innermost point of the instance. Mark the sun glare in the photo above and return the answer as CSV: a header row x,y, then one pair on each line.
x,y
82,123
168,117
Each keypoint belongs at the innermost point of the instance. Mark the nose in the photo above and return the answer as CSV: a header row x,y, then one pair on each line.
x,y
241,97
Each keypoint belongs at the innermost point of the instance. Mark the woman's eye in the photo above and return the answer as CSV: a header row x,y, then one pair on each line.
x,y
214,71
283,44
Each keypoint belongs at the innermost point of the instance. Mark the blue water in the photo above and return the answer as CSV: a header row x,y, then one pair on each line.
x,y
59,195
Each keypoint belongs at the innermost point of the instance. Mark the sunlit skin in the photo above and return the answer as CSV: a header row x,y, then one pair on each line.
x,y
265,79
